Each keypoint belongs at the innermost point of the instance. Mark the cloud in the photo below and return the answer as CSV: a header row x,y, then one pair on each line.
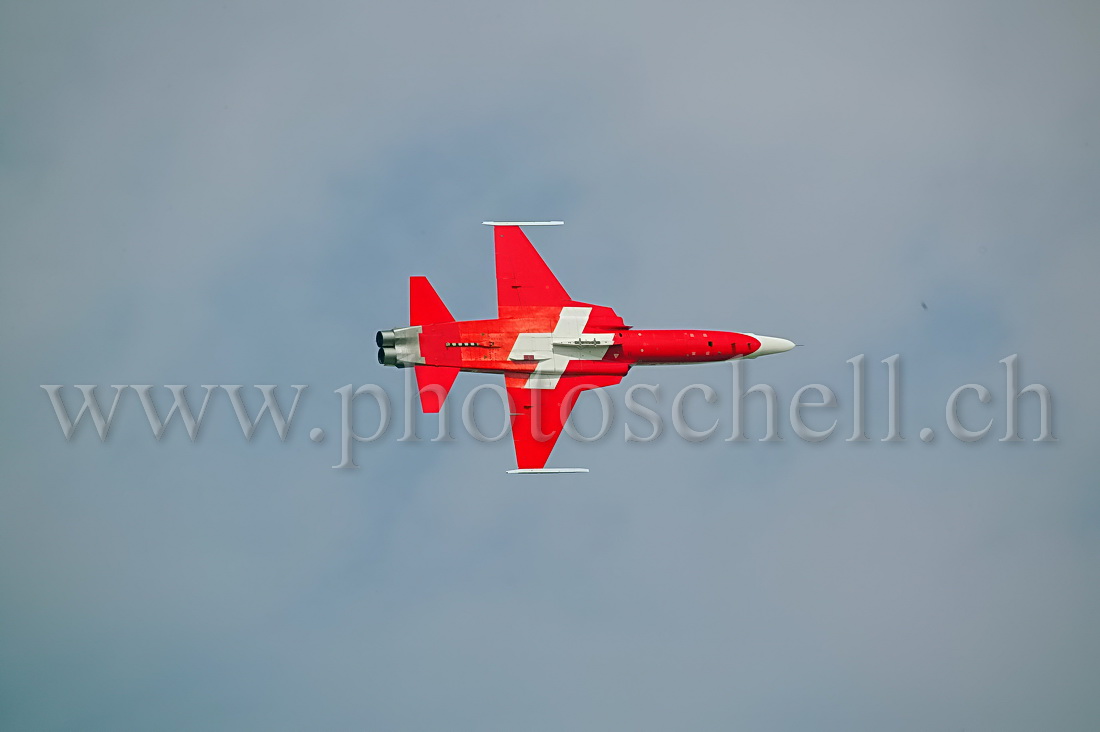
x,y
235,194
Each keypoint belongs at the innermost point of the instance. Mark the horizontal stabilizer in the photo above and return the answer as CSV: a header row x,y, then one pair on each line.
x,y
547,471
434,383
425,307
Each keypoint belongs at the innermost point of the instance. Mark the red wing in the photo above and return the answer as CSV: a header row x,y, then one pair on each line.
x,y
538,415
522,277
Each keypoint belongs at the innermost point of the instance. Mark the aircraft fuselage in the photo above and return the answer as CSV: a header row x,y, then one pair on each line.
x,y
549,346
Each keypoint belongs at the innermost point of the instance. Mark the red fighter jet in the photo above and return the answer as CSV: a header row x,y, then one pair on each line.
x,y
549,346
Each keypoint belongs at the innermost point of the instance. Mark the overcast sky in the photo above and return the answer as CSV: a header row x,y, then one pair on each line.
x,y
236,193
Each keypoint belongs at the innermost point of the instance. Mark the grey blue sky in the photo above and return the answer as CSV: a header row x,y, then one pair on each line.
x,y
235,193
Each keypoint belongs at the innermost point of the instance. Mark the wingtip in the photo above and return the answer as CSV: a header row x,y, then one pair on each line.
x,y
523,223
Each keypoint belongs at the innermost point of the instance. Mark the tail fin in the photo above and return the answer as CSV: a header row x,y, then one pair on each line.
x,y
433,383
425,308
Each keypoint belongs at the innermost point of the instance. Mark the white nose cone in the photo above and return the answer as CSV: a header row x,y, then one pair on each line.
x,y
770,345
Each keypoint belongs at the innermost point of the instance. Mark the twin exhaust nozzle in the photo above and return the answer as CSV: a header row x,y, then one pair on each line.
x,y
387,351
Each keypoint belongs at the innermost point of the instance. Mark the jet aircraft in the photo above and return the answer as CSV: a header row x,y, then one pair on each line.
x,y
549,346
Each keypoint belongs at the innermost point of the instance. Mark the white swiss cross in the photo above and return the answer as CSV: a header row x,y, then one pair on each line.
x,y
554,351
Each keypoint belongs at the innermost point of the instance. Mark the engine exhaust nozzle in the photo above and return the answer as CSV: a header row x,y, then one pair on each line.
x,y
387,356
